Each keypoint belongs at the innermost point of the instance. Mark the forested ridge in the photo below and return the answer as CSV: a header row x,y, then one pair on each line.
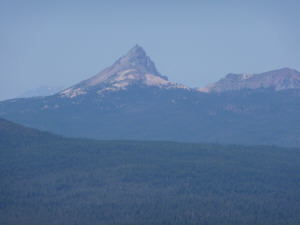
x,y
48,179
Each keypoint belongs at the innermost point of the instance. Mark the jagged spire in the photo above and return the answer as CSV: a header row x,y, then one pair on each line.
x,y
136,51
131,68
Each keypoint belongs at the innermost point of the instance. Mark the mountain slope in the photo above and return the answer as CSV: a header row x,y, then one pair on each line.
x,y
131,101
16,135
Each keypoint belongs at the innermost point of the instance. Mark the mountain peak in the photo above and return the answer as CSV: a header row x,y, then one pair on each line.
x,y
136,51
137,58
134,68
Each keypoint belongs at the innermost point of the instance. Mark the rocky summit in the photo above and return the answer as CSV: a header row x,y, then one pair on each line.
x,y
131,100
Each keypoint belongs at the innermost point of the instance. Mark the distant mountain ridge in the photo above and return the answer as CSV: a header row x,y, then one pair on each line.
x,y
131,100
281,79
44,90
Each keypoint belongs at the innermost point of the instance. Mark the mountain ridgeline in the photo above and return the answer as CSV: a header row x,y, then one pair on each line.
x,y
277,80
131,100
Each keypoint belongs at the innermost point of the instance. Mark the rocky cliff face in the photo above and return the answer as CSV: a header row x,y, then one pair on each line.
x,y
277,79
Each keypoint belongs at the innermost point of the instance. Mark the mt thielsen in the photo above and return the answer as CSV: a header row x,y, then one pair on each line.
x,y
132,100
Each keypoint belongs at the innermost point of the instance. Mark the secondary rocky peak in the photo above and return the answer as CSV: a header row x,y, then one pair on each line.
x,y
280,79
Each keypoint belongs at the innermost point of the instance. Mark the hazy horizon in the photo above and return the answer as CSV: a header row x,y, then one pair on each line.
x,y
192,42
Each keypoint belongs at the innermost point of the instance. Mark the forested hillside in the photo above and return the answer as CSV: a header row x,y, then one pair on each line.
x,y
47,179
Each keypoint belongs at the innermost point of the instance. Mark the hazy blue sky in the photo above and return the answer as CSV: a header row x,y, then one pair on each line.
x,y
192,42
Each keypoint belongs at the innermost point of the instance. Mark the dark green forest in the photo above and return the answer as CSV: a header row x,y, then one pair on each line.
x,y
48,179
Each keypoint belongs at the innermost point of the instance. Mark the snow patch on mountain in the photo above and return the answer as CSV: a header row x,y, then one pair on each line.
x,y
154,80
246,76
71,93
